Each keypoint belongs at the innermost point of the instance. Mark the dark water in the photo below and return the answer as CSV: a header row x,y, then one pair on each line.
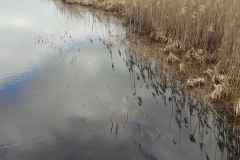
x,y
72,89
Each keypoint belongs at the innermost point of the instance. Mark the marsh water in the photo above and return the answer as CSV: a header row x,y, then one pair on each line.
x,y
71,88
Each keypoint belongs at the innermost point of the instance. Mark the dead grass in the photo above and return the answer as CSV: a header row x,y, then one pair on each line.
x,y
220,92
237,108
182,68
171,58
197,82
204,32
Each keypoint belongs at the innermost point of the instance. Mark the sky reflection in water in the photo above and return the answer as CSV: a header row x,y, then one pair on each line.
x,y
70,88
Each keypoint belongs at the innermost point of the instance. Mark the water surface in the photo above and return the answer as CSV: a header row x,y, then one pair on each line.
x,y
72,88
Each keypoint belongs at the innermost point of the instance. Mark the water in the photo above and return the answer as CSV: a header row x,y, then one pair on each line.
x,y
72,87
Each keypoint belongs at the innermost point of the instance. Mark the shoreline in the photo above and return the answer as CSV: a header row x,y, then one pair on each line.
x,y
198,73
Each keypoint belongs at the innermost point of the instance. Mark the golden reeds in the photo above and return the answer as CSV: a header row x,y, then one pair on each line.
x,y
207,33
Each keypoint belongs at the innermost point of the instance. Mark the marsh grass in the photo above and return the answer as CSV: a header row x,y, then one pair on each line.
x,y
205,32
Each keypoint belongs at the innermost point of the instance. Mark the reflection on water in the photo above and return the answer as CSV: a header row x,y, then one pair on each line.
x,y
72,87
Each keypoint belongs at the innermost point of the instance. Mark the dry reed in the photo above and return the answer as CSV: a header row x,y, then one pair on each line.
x,y
198,82
171,58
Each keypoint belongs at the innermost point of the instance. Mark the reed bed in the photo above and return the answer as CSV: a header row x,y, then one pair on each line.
x,y
203,33
206,32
